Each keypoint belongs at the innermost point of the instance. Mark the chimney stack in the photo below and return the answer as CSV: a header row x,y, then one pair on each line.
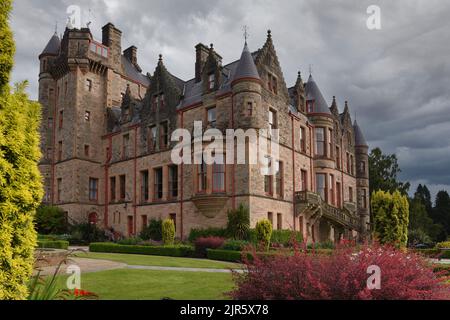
x,y
202,53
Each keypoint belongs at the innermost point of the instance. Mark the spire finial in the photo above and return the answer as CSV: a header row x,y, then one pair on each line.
x,y
160,57
56,27
269,34
310,69
246,34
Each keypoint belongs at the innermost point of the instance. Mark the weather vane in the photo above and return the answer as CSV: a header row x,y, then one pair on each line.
x,y
246,34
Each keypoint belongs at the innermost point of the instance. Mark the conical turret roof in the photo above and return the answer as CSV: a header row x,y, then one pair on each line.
x,y
313,93
359,136
52,46
246,67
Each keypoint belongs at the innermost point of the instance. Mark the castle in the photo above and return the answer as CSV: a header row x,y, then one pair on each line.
x,y
105,140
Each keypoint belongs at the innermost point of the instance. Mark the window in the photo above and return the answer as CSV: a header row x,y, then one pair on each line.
x,y
218,177
152,139
302,139
349,138
162,100
125,146
49,154
350,194
173,182
279,180
58,190
60,146
268,180
338,194
348,162
212,117
321,181
87,116
112,186
362,167
93,189
144,221
279,221
364,198
211,81
122,187
144,186
352,170
300,224
173,217
61,119
86,150
88,85
304,180
65,88
338,158
331,186
50,123
330,143
310,106
320,142
99,49
272,83
272,120
270,217
249,109
164,135
158,191
48,190
202,177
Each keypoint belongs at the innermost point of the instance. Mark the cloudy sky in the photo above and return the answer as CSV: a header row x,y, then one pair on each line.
x,y
397,79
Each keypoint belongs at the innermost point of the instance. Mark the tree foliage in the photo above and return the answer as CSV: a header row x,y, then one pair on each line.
x,y
391,212
20,181
51,220
168,232
239,223
383,173
264,233
441,214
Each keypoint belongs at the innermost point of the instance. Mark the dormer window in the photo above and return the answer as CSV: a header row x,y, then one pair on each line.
x,y
212,117
272,83
211,81
159,100
310,106
162,101
272,120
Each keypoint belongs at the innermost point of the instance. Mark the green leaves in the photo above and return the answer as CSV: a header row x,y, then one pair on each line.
x,y
264,233
168,232
239,223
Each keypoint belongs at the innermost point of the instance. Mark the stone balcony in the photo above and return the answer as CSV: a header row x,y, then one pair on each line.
x,y
312,205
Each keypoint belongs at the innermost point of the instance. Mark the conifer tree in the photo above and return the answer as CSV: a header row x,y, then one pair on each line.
x,y
20,180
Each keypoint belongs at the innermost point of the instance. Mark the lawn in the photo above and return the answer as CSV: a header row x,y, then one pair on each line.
x,y
128,284
143,260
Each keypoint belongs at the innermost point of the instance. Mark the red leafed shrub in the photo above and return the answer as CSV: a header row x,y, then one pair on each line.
x,y
343,275
201,244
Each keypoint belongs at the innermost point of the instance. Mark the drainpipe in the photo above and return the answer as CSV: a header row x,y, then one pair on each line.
x,y
293,170
135,180
233,182
182,183
108,160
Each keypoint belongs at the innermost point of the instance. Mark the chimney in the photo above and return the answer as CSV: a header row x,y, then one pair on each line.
x,y
202,53
131,54
112,38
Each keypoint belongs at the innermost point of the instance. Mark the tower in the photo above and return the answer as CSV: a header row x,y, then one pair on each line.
x,y
362,179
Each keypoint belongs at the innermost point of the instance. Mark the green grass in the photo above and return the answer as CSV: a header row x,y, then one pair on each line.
x,y
127,284
143,260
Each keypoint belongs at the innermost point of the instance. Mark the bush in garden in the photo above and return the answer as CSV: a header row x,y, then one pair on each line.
x,y
239,223
130,241
286,238
168,232
443,245
235,245
51,220
153,231
264,233
85,233
340,276
196,233
391,217
202,244
20,181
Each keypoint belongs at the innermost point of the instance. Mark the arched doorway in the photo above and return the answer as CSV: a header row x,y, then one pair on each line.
x,y
93,218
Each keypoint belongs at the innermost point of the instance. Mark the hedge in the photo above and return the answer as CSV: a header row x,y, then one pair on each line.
x,y
49,244
223,255
169,251
204,233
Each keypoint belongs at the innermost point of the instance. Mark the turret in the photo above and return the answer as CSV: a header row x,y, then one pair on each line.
x,y
299,94
362,178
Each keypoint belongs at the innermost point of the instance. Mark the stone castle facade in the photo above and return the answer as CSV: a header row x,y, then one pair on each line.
x,y
107,152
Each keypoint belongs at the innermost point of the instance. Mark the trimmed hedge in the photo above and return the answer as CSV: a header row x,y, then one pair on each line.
x,y
49,244
169,251
224,255
209,232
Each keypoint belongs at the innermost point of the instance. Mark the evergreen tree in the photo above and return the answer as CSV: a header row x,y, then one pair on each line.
x,y
441,214
423,194
383,172
20,181
391,212
421,227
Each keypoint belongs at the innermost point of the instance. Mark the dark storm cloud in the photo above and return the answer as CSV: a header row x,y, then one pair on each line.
x,y
396,79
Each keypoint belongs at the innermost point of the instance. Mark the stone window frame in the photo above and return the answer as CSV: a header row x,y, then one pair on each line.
x,y
145,186
158,187
171,181
93,189
211,124
279,177
322,142
303,139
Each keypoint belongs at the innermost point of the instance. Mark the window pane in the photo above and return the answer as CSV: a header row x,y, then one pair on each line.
x,y
219,177
321,185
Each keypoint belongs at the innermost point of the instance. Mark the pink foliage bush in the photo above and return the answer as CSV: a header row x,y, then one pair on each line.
x,y
340,276
202,244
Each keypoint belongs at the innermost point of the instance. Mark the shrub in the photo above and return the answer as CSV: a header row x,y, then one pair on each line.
x,y
202,244
224,255
209,232
130,241
21,189
322,245
58,244
85,233
153,231
443,245
264,233
235,245
170,251
340,276
51,220
286,238
239,223
168,232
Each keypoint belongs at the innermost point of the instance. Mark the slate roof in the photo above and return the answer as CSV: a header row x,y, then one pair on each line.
x,y
132,73
246,67
359,136
53,45
313,93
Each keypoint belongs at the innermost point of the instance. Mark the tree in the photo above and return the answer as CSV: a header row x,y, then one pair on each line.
x,y
391,212
383,172
20,181
424,195
168,232
264,233
421,227
441,214
238,225
51,220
